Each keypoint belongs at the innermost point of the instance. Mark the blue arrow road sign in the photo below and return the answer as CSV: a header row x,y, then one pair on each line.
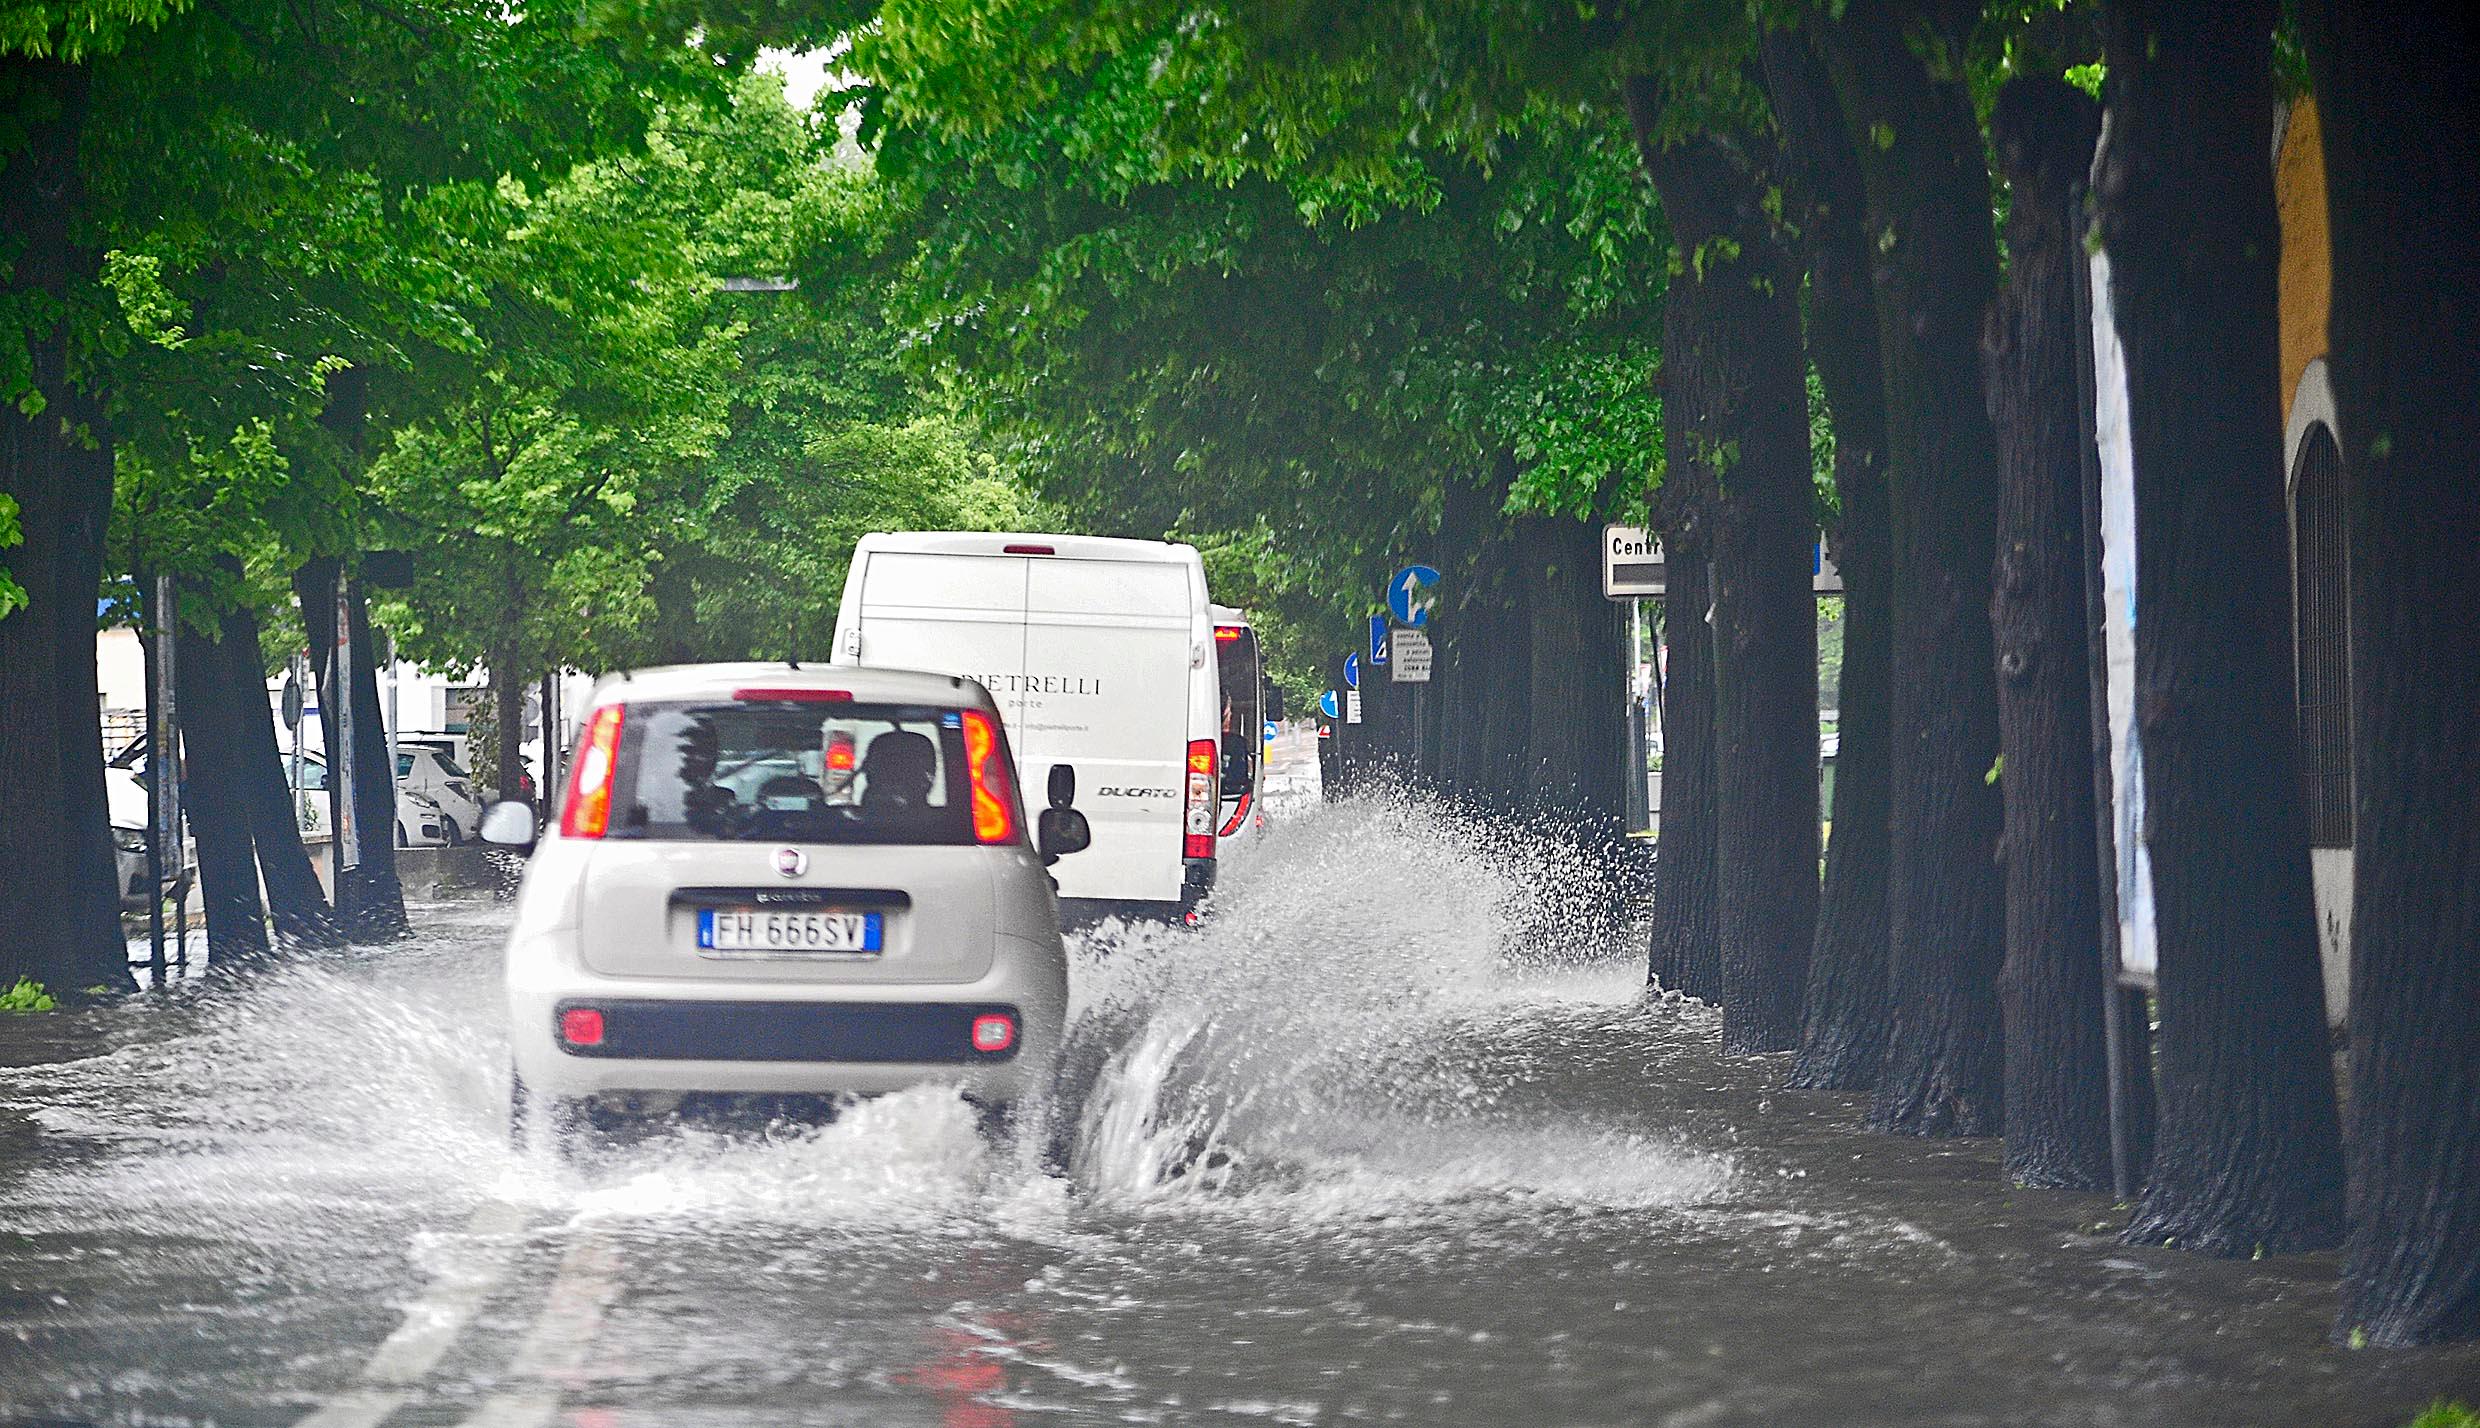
x,y
1351,671
1272,729
1409,595
1377,639
1329,706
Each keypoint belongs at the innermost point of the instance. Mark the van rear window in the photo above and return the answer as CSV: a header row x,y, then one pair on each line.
x,y
792,773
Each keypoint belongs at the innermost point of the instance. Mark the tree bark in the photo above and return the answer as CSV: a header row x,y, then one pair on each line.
x,y
2057,1066
1577,694
297,904
2247,1156
1843,1035
1899,77
370,902
1735,402
59,901
2400,94
212,755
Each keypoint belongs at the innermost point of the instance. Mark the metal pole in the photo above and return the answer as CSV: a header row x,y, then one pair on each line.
x,y
393,724
163,761
158,764
550,741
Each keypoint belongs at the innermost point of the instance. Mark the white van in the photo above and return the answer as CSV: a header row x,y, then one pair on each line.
x,y
1100,655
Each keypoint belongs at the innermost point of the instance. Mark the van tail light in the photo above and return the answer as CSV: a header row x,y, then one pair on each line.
x,y
588,810
1197,832
993,1033
994,791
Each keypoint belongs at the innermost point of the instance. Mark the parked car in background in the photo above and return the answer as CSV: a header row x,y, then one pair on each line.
x,y
434,773
420,823
125,795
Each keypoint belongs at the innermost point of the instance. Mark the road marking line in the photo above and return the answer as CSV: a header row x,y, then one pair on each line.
x,y
357,1408
431,1325
554,1350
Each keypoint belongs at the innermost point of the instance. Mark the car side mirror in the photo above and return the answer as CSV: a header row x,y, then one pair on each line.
x,y
1063,831
509,823
1063,785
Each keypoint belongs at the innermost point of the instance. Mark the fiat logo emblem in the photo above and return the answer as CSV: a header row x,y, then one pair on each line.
x,y
791,862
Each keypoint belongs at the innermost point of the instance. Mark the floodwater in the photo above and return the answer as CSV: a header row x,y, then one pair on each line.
x,y
1394,1139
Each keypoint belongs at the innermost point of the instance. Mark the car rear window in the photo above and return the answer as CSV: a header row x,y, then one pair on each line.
x,y
792,772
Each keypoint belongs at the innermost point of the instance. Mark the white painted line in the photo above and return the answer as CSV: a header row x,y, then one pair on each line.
x,y
431,1324
554,1350
357,1408
433,1321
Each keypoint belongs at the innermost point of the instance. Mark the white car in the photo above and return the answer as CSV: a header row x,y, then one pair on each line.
x,y
770,880
420,822
435,774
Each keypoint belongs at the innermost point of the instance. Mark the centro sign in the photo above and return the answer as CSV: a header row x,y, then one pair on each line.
x,y
1631,563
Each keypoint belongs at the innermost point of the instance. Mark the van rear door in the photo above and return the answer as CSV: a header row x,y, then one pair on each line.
x,y
950,614
1105,688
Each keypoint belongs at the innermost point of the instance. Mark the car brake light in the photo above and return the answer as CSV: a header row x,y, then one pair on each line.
x,y
994,1033
581,1026
841,753
794,696
1225,634
994,793
1029,550
1197,839
588,810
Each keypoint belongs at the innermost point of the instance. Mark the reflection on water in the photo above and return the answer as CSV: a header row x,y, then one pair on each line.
x,y
1393,1138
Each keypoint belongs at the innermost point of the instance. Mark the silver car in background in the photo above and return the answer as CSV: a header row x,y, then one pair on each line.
x,y
769,880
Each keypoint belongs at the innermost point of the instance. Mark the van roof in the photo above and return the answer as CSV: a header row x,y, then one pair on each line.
x,y
721,681
1065,547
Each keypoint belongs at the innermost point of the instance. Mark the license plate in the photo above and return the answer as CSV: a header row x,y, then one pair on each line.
x,y
757,929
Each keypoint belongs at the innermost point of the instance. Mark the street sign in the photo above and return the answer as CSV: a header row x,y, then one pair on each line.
x,y
1352,707
292,701
1823,577
1328,707
1352,673
1631,563
1411,594
1411,657
1272,729
1377,639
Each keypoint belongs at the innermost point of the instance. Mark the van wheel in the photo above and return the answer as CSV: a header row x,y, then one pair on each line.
x,y
455,835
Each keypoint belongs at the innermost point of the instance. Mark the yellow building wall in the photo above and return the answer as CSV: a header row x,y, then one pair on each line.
x,y
2307,274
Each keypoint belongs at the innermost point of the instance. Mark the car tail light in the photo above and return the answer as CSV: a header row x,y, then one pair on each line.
x,y
842,753
994,1033
1225,634
581,1026
1197,839
1239,815
588,811
994,792
794,696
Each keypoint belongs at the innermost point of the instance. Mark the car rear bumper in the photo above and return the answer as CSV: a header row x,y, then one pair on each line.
x,y
759,1038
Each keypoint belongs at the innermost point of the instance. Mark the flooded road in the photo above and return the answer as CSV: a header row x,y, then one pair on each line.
x,y
1394,1139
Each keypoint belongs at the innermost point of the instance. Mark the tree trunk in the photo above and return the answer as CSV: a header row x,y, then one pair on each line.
x,y
508,709
1735,403
1577,694
2400,92
2247,1156
1843,1036
1686,944
1900,81
2057,1066
59,901
212,755
296,903
369,900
